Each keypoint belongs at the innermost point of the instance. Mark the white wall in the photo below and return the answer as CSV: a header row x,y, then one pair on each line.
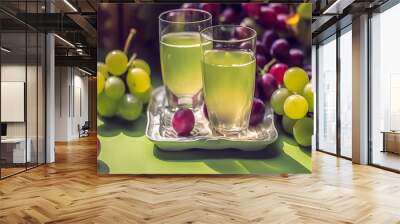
x,y
80,110
71,94
33,127
15,73
61,103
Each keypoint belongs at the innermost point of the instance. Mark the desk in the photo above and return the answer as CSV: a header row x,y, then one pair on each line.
x,y
391,141
18,150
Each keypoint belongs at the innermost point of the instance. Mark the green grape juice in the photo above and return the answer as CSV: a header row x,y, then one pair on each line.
x,y
229,77
180,54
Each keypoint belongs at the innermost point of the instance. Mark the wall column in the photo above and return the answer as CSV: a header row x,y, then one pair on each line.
x,y
50,92
50,98
360,89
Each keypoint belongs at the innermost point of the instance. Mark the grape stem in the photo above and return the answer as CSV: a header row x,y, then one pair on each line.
x,y
131,59
267,66
128,41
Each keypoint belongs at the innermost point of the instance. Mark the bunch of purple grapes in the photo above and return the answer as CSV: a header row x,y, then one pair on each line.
x,y
283,73
277,47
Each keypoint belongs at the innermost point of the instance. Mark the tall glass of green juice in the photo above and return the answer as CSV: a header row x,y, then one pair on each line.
x,y
180,55
229,70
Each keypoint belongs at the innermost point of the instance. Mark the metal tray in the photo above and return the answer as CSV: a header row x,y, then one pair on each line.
x,y
160,131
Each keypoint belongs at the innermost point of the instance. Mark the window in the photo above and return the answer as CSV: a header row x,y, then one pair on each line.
x,y
345,43
385,89
22,101
327,95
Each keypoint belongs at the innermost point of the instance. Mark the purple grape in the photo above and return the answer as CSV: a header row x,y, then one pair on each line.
x,y
213,8
268,39
205,111
172,16
241,33
296,57
307,68
261,60
278,71
246,45
280,49
260,48
190,6
256,91
267,16
253,24
269,85
228,16
258,88
257,112
252,9
278,118
281,22
183,122
280,8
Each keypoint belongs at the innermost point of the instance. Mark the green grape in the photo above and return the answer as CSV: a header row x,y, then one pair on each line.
x,y
101,67
305,10
295,106
106,106
278,99
130,107
144,96
295,79
303,131
139,63
114,88
138,80
308,93
100,82
117,62
288,124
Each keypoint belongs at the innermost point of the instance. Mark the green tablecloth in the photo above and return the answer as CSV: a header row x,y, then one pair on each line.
x,y
126,150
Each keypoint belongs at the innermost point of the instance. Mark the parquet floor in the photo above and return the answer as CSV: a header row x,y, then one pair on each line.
x,y
10,171
69,191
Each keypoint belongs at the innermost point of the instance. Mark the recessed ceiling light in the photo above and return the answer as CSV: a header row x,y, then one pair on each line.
x,y
337,7
70,5
84,71
64,40
5,50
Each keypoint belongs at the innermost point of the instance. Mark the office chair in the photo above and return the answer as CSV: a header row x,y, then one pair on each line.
x,y
84,130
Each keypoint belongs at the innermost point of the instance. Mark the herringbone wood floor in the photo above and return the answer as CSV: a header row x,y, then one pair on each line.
x,y
69,191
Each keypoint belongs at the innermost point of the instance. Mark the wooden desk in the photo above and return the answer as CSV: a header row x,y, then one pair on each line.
x,y
391,141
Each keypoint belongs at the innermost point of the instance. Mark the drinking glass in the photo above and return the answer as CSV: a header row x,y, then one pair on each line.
x,y
229,69
180,54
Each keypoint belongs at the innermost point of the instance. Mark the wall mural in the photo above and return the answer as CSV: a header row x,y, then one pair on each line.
x,y
204,88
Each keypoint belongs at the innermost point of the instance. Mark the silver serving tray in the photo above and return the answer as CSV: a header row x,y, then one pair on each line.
x,y
159,130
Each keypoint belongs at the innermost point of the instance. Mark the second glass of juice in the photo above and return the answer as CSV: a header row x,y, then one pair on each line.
x,y
229,69
180,54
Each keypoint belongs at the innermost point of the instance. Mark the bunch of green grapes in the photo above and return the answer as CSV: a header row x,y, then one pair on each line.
x,y
123,86
295,102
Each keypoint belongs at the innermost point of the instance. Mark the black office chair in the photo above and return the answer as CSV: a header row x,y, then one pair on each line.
x,y
84,130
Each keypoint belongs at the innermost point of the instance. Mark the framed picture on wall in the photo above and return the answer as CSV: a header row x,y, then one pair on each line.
x,y
204,88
